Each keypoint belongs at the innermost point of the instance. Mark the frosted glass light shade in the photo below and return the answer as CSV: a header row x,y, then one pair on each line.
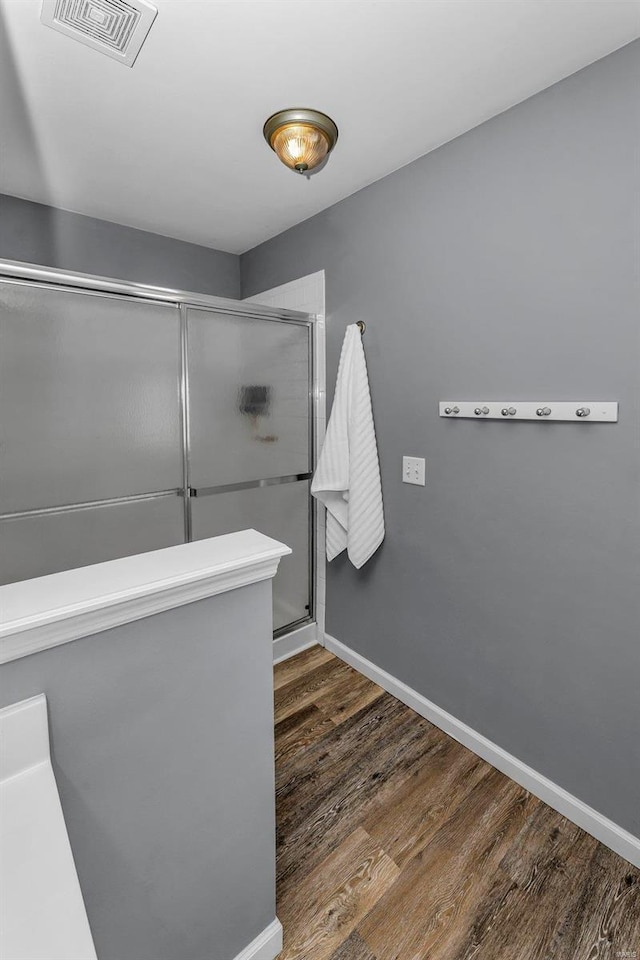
x,y
300,146
301,138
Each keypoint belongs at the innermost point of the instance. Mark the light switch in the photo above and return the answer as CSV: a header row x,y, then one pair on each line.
x,y
413,470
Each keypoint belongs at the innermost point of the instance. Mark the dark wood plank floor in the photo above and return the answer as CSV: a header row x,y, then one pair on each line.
x,y
397,843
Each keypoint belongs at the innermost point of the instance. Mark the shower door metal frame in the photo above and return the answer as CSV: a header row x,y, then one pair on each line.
x,y
28,274
191,493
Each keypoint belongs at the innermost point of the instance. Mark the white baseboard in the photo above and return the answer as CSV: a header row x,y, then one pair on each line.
x,y
266,946
292,643
600,827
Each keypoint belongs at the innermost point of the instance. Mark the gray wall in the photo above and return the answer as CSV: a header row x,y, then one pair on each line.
x,y
504,265
35,233
162,746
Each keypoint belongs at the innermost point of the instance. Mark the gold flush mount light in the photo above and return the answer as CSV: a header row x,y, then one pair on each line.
x,y
301,138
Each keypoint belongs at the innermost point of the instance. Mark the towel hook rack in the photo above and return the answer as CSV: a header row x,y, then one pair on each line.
x,y
362,326
577,411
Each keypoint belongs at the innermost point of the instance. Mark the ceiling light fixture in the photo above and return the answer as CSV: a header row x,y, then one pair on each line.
x,y
301,138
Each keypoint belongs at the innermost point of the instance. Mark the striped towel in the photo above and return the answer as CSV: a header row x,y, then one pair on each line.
x,y
347,478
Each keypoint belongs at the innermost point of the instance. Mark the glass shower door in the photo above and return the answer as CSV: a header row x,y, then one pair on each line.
x,y
90,428
129,424
250,440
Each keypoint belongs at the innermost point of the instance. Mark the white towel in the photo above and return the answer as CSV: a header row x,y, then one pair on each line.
x,y
347,479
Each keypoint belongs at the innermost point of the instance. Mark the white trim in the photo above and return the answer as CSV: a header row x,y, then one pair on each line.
x,y
24,733
266,946
42,613
294,642
43,910
600,827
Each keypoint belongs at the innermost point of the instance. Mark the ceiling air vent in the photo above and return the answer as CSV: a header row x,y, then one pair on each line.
x,y
117,28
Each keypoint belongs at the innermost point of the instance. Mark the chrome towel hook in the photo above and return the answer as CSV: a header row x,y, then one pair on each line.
x,y
362,326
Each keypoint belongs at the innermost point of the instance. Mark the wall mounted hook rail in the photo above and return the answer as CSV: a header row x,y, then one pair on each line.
x,y
576,411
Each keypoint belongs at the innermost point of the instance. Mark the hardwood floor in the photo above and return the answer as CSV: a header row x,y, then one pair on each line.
x,y
397,843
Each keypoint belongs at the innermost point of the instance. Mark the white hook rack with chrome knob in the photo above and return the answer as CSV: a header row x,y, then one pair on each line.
x,y
578,411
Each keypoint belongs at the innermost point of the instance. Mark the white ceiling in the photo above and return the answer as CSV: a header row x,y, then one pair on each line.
x,y
174,145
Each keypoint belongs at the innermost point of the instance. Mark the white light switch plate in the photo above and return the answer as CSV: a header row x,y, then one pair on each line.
x,y
413,470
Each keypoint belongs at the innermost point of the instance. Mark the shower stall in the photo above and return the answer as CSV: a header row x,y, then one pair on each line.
x,y
134,418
